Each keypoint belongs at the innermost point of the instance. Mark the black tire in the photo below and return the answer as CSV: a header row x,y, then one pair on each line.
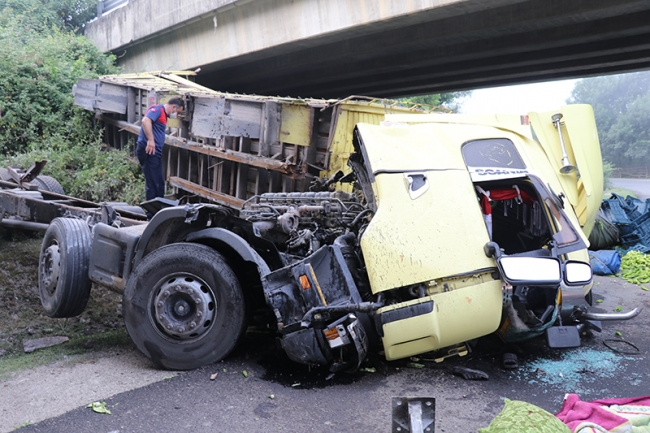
x,y
183,306
63,280
48,183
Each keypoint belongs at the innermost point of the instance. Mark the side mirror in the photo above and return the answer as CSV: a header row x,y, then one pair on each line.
x,y
577,273
530,270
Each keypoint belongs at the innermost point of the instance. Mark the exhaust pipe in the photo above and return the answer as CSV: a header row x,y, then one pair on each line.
x,y
610,316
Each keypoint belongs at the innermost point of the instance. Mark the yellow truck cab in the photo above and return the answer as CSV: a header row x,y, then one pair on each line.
x,y
476,217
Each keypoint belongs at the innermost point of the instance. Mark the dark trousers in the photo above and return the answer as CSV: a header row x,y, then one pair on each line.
x,y
153,173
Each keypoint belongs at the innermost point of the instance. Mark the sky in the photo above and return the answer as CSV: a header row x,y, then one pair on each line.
x,y
519,99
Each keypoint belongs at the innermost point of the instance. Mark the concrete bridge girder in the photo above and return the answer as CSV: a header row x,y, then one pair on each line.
x,y
333,48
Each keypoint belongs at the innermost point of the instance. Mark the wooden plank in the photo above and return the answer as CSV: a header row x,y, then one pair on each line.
x,y
187,83
206,192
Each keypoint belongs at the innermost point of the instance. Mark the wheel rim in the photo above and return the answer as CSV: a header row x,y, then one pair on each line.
x,y
183,307
51,268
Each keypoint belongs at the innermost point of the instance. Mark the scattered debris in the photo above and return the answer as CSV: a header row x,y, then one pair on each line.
x,y
415,365
41,343
245,373
567,370
470,374
272,396
611,344
213,376
99,407
369,369
510,361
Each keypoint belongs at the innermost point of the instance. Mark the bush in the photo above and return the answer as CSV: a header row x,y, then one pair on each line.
x,y
41,57
90,171
37,72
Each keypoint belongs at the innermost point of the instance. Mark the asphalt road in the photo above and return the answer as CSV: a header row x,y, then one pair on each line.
x,y
280,396
640,186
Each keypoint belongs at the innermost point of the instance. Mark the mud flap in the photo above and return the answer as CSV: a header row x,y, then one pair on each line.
x,y
563,336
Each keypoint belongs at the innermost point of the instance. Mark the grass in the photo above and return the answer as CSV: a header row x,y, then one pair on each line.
x,y
620,191
23,318
75,350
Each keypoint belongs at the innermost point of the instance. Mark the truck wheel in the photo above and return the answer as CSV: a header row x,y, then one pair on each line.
x,y
63,280
48,183
183,306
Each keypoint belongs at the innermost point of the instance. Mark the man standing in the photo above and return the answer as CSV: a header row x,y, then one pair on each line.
x,y
150,143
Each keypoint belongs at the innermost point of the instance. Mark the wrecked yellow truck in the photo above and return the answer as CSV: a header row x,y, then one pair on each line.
x,y
346,226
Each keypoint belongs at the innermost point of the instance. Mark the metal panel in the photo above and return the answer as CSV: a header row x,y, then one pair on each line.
x,y
95,95
84,93
112,98
297,123
219,117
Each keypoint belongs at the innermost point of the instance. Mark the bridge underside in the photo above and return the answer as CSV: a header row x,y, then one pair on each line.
x,y
464,45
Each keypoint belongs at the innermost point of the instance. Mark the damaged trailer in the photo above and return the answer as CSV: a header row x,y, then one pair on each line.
x,y
346,226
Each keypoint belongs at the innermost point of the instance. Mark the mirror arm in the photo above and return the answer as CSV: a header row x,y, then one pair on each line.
x,y
491,249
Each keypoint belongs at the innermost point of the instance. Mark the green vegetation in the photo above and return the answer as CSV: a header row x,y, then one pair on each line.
x,y
42,55
635,267
77,346
622,107
447,100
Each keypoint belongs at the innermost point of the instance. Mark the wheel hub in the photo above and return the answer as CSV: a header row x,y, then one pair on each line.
x,y
184,307
51,268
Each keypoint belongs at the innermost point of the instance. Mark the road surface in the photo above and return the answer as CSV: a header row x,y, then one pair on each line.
x,y
276,395
641,187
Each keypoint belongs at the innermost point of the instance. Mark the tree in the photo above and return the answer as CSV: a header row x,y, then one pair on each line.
x,y
42,55
41,15
447,100
622,108
41,58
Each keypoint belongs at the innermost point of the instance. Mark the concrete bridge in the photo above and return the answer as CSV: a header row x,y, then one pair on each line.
x,y
334,48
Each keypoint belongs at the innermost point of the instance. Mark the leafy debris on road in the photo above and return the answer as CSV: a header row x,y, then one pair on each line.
x,y
99,407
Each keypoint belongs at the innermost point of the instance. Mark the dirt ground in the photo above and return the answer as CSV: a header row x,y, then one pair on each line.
x,y
23,317
98,361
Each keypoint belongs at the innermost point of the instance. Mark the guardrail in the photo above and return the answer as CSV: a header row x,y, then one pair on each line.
x,y
105,6
632,172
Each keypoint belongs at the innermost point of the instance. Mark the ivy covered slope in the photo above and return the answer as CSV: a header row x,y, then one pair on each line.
x,y
42,54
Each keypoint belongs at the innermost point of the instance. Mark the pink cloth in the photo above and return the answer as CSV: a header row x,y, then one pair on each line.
x,y
575,412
